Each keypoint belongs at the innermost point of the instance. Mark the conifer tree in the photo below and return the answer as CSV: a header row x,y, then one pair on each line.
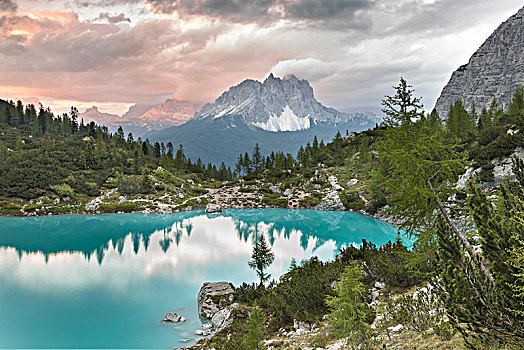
x,y
256,159
261,258
479,305
348,307
255,328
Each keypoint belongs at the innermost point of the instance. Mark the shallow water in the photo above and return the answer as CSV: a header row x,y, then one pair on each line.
x,y
106,281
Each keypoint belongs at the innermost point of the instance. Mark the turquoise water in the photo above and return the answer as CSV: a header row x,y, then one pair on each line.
x,y
106,281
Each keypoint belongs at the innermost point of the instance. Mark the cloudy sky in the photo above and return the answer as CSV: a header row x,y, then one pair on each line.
x,y
114,53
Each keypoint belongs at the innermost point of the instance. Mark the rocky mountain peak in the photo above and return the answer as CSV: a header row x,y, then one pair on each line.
x,y
277,104
496,69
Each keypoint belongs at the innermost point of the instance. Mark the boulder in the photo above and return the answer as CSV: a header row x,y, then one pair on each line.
x,y
287,192
275,189
380,285
222,319
93,205
172,317
331,202
211,296
213,208
352,182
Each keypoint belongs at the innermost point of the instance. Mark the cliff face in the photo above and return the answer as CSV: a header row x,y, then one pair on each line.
x,y
495,70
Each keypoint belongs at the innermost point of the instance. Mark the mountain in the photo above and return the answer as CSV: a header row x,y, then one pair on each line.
x,y
94,115
495,70
286,104
141,119
278,114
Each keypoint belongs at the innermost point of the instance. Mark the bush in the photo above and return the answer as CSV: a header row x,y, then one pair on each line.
x,y
352,201
246,190
309,202
274,200
392,263
125,207
63,190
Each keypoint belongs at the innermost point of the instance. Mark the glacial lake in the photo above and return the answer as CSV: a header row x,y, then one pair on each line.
x,y
106,281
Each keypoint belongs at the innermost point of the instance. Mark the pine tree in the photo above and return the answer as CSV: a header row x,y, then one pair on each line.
x,y
348,307
256,159
255,328
261,258
516,108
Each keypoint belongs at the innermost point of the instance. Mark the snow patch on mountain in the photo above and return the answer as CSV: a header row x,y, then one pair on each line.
x,y
287,121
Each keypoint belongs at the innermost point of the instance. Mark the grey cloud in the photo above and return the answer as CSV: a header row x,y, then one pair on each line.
x,y
113,19
8,6
268,11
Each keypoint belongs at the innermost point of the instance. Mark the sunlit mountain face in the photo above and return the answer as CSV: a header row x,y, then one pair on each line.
x,y
87,274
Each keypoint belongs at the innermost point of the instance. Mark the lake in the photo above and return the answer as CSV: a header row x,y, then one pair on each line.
x,y
106,281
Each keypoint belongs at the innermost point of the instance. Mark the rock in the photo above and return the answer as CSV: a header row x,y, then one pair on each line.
x,y
301,328
199,200
222,319
202,333
207,307
56,201
374,295
333,180
172,317
331,202
495,70
121,199
337,187
180,196
380,285
207,326
275,189
352,182
287,192
213,208
93,205
317,187
396,329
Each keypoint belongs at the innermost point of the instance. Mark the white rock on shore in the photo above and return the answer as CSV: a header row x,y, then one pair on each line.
x,y
213,208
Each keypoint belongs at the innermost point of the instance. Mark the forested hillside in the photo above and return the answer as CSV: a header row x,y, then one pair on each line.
x,y
42,153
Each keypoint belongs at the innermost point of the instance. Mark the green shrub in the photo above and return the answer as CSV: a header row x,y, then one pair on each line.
x,y
125,207
352,201
246,190
63,190
199,190
310,201
274,200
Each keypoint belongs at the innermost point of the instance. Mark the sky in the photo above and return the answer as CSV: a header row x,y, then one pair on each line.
x,y
115,53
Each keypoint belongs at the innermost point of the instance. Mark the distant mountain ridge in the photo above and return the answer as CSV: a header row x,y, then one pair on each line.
x,y
278,114
496,69
141,119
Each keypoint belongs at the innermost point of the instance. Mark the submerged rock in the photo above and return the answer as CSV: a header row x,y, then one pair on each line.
x,y
172,317
211,296
213,208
